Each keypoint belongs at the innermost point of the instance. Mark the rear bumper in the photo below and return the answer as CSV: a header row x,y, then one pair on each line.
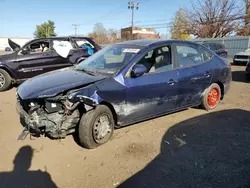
x,y
241,60
247,70
227,84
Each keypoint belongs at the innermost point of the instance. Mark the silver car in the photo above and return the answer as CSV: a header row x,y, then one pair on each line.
x,y
242,57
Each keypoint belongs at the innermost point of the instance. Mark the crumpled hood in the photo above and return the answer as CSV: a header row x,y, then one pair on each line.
x,y
53,83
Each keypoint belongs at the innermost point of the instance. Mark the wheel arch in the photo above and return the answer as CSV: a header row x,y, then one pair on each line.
x,y
7,70
112,109
221,88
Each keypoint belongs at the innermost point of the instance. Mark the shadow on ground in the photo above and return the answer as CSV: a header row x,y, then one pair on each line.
x,y
239,76
211,150
21,176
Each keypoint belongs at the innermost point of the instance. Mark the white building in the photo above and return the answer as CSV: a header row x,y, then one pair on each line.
x,y
4,41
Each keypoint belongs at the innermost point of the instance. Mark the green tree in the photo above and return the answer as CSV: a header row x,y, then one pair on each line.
x,y
46,29
178,30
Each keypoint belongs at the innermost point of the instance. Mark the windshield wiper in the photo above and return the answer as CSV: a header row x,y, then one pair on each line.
x,y
86,71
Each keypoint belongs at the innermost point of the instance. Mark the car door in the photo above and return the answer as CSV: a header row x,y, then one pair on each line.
x,y
58,58
156,91
205,70
41,58
189,57
83,49
31,59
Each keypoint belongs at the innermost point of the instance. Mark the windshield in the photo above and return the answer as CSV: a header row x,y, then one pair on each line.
x,y
109,60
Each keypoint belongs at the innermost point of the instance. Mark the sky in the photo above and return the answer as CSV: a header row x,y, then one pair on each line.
x,y
19,18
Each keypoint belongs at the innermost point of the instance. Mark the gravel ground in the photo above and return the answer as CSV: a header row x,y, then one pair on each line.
x,y
191,148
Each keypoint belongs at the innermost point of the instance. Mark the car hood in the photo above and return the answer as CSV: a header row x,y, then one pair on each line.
x,y
244,53
8,56
13,45
53,83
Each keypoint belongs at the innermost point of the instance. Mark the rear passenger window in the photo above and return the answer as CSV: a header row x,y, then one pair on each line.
x,y
205,54
188,55
213,46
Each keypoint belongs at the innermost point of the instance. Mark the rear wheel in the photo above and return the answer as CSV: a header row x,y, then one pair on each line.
x,y
212,97
96,127
80,60
5,80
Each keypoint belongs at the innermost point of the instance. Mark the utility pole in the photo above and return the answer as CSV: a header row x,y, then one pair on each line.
x,y
75,27
132,5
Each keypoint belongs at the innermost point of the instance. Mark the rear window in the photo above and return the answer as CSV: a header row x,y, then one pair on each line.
x,y
215,46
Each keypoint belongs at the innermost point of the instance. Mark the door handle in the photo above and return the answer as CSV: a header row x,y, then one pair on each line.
x,y
171,82
207,74
46,54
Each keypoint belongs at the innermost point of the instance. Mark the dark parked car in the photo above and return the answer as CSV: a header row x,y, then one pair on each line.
x,y
39,56
122,84
218,48
7,49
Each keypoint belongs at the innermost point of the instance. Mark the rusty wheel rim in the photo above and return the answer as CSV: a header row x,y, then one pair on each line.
x,y
213,97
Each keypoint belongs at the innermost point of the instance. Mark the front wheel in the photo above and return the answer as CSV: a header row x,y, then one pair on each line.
x,y
96,127
5,80
211,97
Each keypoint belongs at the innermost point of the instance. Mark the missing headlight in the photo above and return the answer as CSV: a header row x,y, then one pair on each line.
x,y
52,107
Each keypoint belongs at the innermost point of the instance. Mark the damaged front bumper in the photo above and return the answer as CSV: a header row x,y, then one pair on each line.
x,y
54,125
26,122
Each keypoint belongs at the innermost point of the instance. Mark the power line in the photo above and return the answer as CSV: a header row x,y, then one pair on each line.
x,y
112,13
75,27
214,20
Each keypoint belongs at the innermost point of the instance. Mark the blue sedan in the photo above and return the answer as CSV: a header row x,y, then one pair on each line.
x,y
122,84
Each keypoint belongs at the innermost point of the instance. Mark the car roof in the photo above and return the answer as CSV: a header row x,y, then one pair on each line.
x,y
66,37
147,42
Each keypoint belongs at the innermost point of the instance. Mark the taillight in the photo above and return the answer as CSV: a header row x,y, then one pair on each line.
x,y
225,61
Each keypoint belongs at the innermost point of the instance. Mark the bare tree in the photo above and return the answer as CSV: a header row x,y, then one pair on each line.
x,y
113,35
244,29
99,34
213,18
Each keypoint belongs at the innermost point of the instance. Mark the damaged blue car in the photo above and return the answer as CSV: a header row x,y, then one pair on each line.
x,y
120,85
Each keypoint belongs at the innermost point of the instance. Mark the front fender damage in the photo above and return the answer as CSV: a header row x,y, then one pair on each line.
x,y
55,117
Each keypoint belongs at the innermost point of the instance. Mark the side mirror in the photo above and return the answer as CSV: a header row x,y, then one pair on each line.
x,y
25,51
138,70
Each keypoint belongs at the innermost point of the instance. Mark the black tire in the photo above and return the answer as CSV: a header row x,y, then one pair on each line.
x,y
6,79
205,99
86,127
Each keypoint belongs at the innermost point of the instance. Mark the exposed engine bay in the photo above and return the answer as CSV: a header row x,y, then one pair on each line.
x,y
53,117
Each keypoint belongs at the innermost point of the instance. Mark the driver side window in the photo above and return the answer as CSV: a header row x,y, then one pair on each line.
x,y
158,60
38,47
